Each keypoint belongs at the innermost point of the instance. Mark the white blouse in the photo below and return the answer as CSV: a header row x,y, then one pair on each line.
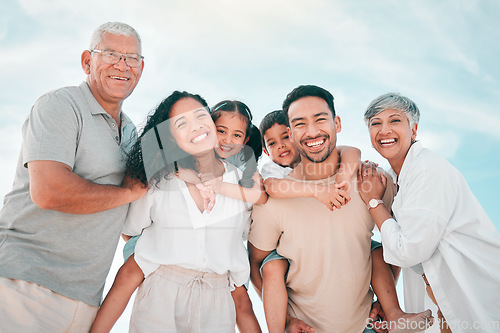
x,y
175,232
441,225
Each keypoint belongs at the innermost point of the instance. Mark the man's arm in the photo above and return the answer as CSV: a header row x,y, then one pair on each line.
x,y
257,256
53,185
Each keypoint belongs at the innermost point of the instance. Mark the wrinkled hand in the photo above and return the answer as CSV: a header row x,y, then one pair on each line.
x,y
333,196
371,183
378,326
294,325
208,196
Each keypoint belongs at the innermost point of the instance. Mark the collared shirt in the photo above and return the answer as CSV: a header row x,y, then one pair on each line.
x,y
441,225
175,232
274,170
68,253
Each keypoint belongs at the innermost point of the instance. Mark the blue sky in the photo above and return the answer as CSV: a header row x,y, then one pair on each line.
x,y
441,54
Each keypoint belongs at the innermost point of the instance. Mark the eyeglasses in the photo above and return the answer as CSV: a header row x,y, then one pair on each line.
x,y
113,57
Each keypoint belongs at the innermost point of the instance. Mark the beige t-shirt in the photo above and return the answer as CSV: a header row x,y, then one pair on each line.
x,y
328,282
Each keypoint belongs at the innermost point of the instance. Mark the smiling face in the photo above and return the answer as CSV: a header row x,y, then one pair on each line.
x,y
279,146
192,127
391,135
313,128
111,84
231,133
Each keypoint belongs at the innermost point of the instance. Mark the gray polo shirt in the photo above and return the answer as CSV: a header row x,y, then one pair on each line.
x,y
68,253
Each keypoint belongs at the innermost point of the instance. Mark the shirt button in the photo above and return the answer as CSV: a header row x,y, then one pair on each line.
x,y
117,138
113,125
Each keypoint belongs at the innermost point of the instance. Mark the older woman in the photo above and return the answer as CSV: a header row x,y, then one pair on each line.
x,y
437,227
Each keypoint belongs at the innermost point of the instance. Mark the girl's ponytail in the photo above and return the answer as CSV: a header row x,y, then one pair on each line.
x,y
251,153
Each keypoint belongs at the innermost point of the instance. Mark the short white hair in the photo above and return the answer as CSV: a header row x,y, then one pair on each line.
x,y
115,28
393,101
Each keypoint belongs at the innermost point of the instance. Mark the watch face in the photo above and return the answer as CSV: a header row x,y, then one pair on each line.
x,y
374,203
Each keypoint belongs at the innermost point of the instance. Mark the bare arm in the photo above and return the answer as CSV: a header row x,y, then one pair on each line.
x,y
257,256
349,163
246,321
331,195
256,194
53,185
289,188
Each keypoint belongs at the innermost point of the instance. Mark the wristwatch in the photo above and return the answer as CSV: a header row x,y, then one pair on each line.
x,y
374,203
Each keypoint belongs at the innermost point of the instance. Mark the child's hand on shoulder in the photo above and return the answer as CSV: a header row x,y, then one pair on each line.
x,y
332,195
343,181
212,181
188,175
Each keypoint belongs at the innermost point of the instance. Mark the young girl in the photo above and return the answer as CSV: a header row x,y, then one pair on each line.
x,y
239,143
191,259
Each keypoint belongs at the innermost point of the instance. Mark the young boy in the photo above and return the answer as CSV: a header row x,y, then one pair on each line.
x,y
284,157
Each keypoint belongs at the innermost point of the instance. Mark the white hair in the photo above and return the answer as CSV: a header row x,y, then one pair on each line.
x,y
115,28
393,101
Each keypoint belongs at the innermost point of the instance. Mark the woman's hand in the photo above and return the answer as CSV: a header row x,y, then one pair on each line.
x,y
371,183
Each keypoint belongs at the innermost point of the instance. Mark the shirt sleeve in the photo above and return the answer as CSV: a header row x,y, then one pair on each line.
x,y
273,170
265,229
51,131
139,215
420,221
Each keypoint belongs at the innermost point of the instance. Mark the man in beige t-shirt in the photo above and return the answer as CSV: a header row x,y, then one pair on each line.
x,y
329,277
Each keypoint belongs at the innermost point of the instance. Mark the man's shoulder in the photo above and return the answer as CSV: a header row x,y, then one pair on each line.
x,y
66,94
279,207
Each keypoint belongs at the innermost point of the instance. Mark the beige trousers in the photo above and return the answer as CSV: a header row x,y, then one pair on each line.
x,y
28,307
176,299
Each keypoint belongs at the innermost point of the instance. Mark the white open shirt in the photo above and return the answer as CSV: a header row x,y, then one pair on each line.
x,y
441,225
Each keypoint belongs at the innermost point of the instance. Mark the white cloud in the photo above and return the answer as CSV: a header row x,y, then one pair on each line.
x,y
445,143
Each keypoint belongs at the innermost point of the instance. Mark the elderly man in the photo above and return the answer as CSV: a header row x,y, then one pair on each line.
x,y
61,222
328,282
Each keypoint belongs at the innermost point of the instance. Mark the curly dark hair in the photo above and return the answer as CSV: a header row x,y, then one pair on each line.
x,y
135,163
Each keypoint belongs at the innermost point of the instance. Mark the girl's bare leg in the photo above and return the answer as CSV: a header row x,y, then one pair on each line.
x,y
384,286
128,278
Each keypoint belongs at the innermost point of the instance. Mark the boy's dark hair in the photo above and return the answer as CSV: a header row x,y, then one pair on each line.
x,y
306,91
270,119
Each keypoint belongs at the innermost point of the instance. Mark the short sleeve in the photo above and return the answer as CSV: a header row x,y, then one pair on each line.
x,y
139,215
273,170
265,229
51,131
